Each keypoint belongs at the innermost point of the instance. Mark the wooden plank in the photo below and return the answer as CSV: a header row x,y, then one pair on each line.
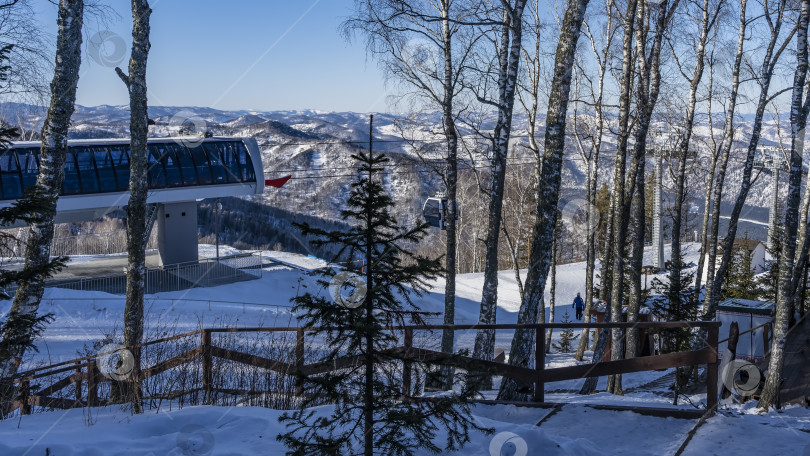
x,y
540,363
54,402
55,371
54,387
624,366
660,412
182,358
663,412
92,384
207,363
523,374
711,373
300,346
253,360
641,324
321,367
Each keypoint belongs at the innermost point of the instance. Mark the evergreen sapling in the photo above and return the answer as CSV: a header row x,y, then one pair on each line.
x,y
371,413
567,337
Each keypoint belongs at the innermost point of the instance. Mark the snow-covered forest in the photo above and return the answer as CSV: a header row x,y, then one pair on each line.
x,y
576,227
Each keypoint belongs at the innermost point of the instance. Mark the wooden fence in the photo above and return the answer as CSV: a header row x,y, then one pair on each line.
x,y
84,377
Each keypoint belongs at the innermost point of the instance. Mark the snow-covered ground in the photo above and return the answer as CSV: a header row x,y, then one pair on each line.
x,y
575,430
83,318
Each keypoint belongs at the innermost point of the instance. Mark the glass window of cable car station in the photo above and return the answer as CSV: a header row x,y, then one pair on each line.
x,y
102,168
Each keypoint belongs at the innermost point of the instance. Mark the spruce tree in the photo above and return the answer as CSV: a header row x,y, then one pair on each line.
x,y
741,282
675,303
567,337
371,415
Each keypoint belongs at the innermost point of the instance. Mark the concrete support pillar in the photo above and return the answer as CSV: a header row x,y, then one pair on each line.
x,y
658,233
177,233
772,221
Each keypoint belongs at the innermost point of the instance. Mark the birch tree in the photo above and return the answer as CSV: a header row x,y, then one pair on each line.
x,y
548,191
509,49
138,188
719,165
51,174
799,107
709,15
590,154
648,83
773,51
618,235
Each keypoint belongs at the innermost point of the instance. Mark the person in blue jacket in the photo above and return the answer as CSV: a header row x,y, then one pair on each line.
x,y
579,305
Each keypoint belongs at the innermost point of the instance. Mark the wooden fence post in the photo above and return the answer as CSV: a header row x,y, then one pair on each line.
x,y
711,372
207,364
540,363
78,382
299,360
92,385
406,365
25,391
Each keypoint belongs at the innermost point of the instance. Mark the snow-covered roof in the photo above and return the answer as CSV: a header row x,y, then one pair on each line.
x,y
747,306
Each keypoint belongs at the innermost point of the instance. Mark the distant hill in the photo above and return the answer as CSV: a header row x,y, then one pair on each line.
x,y
315,148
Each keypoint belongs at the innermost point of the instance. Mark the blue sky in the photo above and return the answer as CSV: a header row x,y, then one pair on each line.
x,y
238,54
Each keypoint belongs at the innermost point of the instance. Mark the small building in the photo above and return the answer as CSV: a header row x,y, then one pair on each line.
x,y
754,345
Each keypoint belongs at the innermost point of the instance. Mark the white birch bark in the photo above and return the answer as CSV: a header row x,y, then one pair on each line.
x,y
548,192
51,171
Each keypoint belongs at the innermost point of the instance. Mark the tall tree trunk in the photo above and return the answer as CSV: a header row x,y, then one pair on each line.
x,y
591,188
49,181
138,188
707,22
510,47
620,192
451,136
636,264
548,192
707,204
770,59
590,255
648,88
724,154
798,121
552,290
600,345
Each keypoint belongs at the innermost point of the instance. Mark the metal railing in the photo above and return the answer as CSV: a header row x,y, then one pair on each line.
x,y
175,277
105,243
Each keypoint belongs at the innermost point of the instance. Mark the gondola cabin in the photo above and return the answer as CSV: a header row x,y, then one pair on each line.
x,y
435,211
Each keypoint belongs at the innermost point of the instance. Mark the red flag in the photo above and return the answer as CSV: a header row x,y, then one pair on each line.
x,y
277,183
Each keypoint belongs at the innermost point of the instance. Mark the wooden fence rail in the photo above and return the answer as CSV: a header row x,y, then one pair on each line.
x,y
85,371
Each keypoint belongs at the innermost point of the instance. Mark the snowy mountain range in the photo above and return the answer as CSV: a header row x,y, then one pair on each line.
x,y
315,148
